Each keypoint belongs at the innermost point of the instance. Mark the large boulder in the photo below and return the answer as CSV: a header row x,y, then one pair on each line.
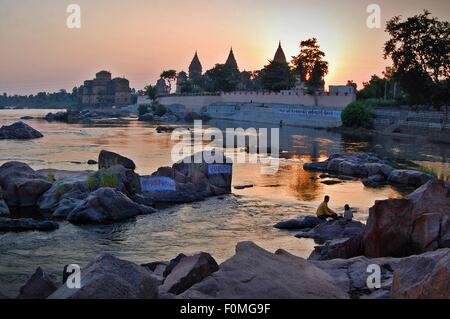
x,y
108,277
334,229
108,159
413,225
189,271
188,180
374,181
64,195
21,185
338,248
425,276
39,286
409,177
299,223
254,273
19,131
26,224
118,177
106,205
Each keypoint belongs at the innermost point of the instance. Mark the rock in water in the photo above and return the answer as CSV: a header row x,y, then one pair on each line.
x,y
21,185
39,286
189,271
254,273
26,224
334,229
108,159
19,131
108,277
423,277
338,248
409,177
106,205
300,223
64,196
413,225
118,177
4,209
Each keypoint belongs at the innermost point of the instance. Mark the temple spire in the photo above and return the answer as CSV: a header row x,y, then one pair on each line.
x,y
279,55
195,68
231,60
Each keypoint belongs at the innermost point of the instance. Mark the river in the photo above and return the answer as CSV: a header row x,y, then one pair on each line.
x,y
214,225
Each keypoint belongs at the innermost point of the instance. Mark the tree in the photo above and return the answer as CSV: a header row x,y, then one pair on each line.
x,y
309,64
151,91
169,76
352,83
419,48
357,114
222,77
277,76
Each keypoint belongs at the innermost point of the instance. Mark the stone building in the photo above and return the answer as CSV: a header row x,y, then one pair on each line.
x,y
279,55
195,69
105,91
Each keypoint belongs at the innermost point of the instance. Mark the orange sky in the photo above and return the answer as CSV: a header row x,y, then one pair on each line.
x,y
139,38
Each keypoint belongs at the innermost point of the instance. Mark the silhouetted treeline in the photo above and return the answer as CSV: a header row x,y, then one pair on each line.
x,y
61,99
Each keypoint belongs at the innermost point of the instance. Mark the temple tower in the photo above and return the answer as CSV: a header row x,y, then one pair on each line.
x,y
231,60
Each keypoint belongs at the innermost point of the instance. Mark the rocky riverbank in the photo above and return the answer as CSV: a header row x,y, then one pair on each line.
x,y
113,193
372,170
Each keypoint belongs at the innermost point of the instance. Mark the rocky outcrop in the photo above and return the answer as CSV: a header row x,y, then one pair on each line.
x,y
26,224
39,286
254,273
335,229
64,195
19,131
106,205
413,225
147,117
189,181
409,177
108,159
189,271
21,185
374,171
108,277
300,223
423,277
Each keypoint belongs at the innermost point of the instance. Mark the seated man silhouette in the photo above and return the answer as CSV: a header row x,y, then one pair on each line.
x,y
324,212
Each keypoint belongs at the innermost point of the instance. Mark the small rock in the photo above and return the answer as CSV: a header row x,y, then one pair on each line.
x,y
19,131
243,186
300,223
108,159
92,162
374,181
189,271
331,182
39,286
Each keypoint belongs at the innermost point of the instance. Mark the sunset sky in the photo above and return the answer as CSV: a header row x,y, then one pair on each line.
x,y
139,38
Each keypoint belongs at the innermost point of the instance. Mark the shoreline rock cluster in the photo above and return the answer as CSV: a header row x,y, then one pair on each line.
x,y
371,169
113,193
252,273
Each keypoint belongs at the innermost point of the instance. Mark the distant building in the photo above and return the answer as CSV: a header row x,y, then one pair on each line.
x,y
341,89
162,87
195,68
231,60
279,55
104,91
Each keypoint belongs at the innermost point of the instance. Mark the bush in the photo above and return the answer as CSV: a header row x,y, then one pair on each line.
x,y
143,109
357,114
158,109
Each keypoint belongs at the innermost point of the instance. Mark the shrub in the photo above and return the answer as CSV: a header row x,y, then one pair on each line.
x,y
143,109
158,109
91,183
357,114
108,181
51,177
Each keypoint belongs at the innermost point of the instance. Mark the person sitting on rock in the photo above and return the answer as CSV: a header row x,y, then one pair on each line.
x,y
324,212
348,213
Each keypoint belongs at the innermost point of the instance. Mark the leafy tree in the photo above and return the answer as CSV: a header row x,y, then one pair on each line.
x,y
222,77
419,48
356,115
151,91
169,76
310,63
277,76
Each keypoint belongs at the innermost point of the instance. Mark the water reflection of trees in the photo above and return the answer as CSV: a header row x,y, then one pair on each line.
x,y
305,184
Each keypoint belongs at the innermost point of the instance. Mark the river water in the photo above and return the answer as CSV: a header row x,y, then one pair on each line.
x,y
214,225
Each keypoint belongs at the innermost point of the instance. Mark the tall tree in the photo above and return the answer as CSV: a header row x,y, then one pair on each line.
x,y
151,91
309,64
277,76
169,76
420,51
222,77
